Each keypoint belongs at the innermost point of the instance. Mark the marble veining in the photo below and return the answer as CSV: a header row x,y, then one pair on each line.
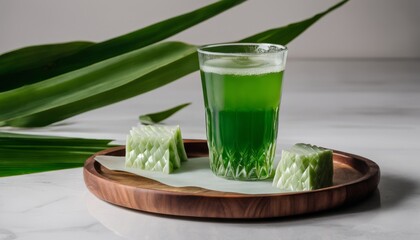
x,y
7,235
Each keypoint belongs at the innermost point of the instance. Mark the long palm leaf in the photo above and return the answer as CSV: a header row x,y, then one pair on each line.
x,y
23,153
39,111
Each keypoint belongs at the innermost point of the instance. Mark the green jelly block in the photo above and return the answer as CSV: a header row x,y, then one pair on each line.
x,y
155,148
304,167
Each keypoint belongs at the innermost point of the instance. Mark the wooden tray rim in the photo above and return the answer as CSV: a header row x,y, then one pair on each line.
x,y
373,170
370,178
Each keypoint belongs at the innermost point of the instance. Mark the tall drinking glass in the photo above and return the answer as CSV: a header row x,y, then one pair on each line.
x,y
242,85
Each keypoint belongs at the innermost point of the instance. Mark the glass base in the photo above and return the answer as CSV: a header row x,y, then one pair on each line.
x,y
245,165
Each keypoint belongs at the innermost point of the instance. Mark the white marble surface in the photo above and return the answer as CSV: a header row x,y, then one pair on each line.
x,y
367,107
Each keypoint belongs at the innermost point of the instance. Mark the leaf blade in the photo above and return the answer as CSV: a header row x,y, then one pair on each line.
x,y
153,80
24,153
28,57
283,35
91,80
26,60
156,117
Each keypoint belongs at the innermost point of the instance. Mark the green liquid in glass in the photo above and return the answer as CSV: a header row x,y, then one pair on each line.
x,y
242,118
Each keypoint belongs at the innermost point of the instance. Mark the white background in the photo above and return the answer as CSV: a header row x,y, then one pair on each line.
x,y
359,29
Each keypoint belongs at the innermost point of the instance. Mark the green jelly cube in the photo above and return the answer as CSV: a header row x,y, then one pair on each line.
x,y
155,148
304,167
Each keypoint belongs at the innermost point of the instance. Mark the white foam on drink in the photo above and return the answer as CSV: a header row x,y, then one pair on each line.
x,y
244,67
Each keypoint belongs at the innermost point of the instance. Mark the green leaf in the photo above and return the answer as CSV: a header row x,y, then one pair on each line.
x,y
15,74
157,117
21,66
284,35
28,109
28,58
142,79
90,81
23,154
11,139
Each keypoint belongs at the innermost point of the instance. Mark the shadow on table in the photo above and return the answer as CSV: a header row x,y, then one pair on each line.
x,y
393,190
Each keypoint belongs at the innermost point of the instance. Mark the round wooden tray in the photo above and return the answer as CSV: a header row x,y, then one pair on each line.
x,y
355,178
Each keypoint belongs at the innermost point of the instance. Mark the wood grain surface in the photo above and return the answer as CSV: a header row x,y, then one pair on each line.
x,y
355,178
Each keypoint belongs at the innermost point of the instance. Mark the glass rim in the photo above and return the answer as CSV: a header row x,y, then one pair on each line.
x,y
202,49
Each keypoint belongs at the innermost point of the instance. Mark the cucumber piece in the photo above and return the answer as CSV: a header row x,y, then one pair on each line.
x,y
155,148
304,167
